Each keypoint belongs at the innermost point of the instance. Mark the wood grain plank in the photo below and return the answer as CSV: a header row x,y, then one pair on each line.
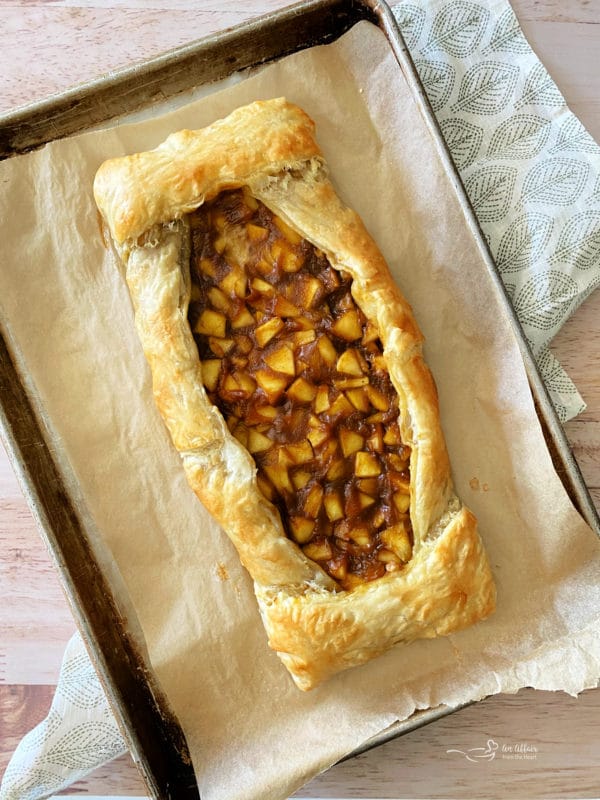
x,y
21,709
104,38
582,11
584,437
141,30
577,347
561,728
252,7
569,51
35,620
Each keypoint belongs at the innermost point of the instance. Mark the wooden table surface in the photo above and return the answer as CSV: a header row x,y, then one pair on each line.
x,y
48,46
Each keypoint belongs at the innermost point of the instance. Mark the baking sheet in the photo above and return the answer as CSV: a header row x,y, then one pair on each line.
x,y
250,732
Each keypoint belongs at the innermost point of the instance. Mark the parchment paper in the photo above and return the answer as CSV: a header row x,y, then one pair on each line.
x,y
251,733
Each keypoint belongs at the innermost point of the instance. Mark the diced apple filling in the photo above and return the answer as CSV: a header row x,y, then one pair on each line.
x,y
351,441
211,323
348,326
302,391
300,377
281,360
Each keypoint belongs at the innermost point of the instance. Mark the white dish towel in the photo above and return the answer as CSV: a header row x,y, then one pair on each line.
x,y
532,173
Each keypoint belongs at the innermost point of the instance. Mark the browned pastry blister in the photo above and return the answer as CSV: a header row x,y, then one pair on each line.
x,y
288,369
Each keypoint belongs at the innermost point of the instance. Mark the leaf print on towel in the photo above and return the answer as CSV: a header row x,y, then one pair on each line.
x,y
579,242
556,180
562,390
507,35
486,88
523,242
540,89
546,299
31,785
438,79
411,20
457,28
573,136
595,195
511,288
520,136
79,684
86,745
490,191
554,375
463,139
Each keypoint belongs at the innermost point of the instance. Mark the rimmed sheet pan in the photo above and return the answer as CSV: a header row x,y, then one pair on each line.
x,y
152,733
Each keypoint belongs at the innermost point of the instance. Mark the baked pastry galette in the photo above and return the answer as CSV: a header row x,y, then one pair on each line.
x,y
288,369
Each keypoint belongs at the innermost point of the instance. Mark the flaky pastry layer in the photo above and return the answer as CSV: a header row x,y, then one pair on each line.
x,y
316,628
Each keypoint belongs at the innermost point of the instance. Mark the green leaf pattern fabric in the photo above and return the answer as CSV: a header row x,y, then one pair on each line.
x,y
528,165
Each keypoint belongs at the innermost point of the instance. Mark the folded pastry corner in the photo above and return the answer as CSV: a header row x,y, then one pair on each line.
x,y
288,369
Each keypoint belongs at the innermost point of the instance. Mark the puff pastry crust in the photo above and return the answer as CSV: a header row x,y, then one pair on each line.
x,y
315,626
